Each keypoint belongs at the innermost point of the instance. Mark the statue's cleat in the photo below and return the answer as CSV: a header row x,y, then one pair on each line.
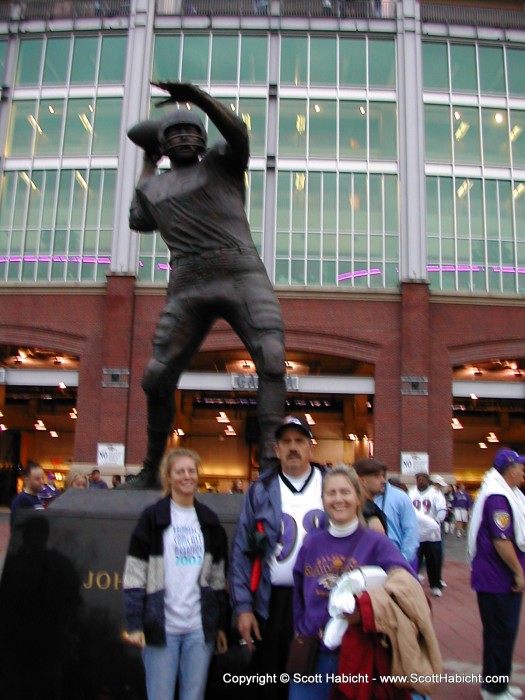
x,y
145,479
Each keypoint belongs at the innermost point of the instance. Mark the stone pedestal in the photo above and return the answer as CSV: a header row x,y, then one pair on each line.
x,y
61,609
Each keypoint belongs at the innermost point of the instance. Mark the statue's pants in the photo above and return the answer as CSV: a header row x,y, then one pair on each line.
x,y
231,284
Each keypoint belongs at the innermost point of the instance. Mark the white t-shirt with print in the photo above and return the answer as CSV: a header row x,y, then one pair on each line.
x,y
183,557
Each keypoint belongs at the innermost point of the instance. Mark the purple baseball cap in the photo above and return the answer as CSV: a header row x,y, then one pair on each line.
x,y
505,458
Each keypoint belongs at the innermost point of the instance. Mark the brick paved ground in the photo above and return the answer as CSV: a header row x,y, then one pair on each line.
x,y
456,621
458,628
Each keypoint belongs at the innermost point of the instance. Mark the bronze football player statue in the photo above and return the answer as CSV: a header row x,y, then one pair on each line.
x,y
216,272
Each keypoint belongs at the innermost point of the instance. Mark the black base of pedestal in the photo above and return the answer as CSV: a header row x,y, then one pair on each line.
x,y
61,611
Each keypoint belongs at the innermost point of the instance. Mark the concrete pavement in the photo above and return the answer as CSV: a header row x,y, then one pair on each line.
x,y
458,628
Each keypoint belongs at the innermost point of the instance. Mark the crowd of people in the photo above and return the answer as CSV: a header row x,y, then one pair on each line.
x,y
302,529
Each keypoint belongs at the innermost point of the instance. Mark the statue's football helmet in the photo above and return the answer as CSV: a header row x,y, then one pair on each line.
x,y
182,135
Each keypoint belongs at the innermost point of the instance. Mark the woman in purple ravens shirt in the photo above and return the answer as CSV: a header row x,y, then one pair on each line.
x,y
327,554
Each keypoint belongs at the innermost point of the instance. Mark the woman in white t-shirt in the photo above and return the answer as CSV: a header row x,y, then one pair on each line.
x,y
174,584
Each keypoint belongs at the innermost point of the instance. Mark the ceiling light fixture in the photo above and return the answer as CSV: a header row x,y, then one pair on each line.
x,y
518,190
461,130
81,181
35,125
25,177
465,186
85,122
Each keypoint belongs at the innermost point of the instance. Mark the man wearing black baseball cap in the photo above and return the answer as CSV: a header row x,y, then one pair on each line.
x,y
278,510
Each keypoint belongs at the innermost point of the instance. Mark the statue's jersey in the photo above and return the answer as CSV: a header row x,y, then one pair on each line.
x,y
198,208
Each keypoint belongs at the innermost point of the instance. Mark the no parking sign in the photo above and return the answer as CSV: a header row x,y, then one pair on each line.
x,y
414,462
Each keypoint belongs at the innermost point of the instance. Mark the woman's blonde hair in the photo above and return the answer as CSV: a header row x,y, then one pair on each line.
x,y
71,476
169,459
351,475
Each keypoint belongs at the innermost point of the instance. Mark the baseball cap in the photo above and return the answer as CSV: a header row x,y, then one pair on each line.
x,y
369,466
505,458
439,480
294,422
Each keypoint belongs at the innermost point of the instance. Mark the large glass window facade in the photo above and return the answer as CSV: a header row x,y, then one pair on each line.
x,y
64,127
56,205
234,67
337,229
474,122
3,51
333,227
56,225
360,61
238,59
71,60
476,234
336,222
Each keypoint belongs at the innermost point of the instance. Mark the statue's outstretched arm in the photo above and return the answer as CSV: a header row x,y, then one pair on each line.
x,y
232,128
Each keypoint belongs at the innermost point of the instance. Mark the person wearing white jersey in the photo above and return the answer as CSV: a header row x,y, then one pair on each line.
x,y
278,510
430,502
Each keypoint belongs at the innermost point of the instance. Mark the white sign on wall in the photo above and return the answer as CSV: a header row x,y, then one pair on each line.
x,y
250,382
414,462
110,454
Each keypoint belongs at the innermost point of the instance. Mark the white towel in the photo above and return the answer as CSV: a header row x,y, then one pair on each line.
x,y
495,485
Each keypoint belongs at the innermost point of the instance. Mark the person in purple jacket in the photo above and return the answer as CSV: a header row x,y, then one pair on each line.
x,y
325,556
462,505
496,547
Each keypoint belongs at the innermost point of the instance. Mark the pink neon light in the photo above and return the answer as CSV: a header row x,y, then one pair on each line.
x,y
55,258
358,273
509,269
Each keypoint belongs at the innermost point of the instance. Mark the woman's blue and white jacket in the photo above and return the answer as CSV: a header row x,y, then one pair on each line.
x,y
144,574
